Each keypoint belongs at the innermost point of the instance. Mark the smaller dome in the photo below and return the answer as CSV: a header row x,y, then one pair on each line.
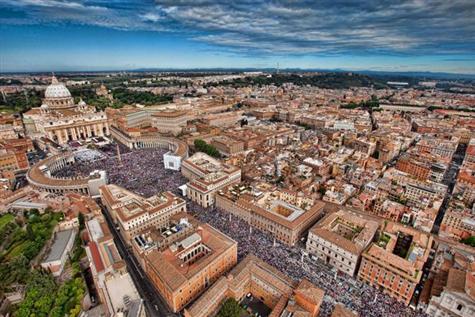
x,y
82,103
44,106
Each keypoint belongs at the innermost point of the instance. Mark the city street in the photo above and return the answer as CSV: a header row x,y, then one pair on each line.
x,y
154,303
449,179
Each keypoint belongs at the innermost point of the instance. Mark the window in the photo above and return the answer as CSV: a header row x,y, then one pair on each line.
x,y
459,307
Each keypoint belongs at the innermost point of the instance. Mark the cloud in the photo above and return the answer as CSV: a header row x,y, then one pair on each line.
x,y
153,17
120,14
393,27
296,27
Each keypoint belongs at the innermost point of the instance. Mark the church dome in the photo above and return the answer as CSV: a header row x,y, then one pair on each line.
x,y
57,90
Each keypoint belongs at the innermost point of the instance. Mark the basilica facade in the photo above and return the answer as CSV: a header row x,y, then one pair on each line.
x,y
62,120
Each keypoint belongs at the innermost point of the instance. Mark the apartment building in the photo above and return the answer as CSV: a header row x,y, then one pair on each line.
x,y
134,213
227,146
465,186
283,215
190,264
277,291
444,148
207,176
458,222
225,119
421,168
340,238
395,261
170,121
114,285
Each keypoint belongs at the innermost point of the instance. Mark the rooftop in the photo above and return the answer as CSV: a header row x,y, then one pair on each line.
x,y
129,205
60,243
188,256
404,249
347,230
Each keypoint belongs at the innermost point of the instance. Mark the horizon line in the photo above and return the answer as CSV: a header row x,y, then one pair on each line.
x,y
158,69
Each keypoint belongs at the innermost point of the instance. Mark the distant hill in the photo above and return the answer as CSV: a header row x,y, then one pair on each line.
x,y
333,80
385,74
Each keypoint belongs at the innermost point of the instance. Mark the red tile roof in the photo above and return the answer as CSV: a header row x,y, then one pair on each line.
x,y
96,256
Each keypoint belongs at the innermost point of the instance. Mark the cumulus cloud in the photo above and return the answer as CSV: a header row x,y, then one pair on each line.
x,y
279,27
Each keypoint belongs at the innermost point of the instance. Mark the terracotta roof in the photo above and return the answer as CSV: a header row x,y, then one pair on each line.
x,y
324,230
170,269
342,311
466,175
310,292
96,256
456,280
316,209
170,114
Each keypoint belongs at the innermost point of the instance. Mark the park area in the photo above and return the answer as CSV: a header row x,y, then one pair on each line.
x,y
22,244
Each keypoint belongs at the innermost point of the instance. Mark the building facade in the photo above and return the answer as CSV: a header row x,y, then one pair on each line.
x,y
170,122
280,214
276,290
190,264
395,261
134,213
340,238
61,120
207,176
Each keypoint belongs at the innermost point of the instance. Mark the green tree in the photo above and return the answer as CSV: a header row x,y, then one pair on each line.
x,y
82,224
230,308
204,147
322,191
470,241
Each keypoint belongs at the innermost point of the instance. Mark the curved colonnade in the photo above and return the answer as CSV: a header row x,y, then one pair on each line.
x,y
39,175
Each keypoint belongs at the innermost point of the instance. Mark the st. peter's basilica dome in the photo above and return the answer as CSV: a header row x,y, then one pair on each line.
x,y
57,90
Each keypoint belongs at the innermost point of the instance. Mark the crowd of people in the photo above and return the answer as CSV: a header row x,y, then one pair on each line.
x,y
339,287
141,171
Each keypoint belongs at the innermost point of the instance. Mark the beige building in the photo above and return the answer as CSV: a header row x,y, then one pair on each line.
x,y
225,119
227,146
465,186
114,285
395,261
134,213
207,176
170,121
283,215
277,291
450,289
190,264
340,238
61,120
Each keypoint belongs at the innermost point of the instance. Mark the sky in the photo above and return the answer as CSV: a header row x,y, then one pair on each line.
x,y
80,35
